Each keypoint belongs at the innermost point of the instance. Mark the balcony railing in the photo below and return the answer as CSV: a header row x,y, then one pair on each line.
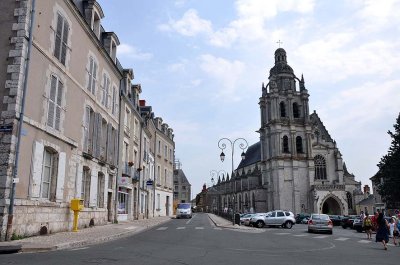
x,y
329,187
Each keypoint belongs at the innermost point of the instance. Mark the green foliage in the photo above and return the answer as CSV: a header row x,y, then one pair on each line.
x,y
389,169
17,237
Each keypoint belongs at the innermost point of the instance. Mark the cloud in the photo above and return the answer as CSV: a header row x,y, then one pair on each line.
x,y
378,14
180,3
189,25
226,72
132,52
177,67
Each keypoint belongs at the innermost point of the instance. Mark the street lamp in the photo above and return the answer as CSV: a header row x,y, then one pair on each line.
x,y
242,143
216,174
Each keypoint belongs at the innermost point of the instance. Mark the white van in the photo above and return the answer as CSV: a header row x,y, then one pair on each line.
x,y
184,210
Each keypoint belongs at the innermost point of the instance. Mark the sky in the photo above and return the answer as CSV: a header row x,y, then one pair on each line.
x,y
201,64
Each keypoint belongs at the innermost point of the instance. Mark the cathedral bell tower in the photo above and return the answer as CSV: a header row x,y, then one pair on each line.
x,y
285,136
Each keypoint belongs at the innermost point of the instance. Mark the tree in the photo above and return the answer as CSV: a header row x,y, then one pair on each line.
x,y
389,170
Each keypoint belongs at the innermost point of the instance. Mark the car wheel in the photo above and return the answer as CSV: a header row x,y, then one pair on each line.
x,y
260,224
330,232
288,225
309,231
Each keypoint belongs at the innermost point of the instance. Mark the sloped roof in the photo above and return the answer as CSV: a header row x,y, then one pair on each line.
x,y
368,201
253,155
179,174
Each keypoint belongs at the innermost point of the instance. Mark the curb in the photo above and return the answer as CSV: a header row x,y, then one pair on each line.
x,y
10,249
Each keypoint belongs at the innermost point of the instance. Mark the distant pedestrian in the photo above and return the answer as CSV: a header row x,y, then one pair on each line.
x,y
393,230
382,232
367,224
362,215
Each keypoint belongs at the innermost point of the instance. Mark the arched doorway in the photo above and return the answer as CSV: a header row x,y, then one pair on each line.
x,y
331,206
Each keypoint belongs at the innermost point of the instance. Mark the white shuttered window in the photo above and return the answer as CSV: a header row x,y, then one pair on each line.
x,y
54,103
61,39
92,73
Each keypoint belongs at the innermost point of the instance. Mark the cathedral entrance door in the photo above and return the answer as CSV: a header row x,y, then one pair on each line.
x,y
331,206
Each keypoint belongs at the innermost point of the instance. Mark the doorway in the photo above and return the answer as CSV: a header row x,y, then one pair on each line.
x,y
331,206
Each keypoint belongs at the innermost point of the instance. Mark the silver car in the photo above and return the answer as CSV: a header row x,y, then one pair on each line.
x,y
320,223
280,218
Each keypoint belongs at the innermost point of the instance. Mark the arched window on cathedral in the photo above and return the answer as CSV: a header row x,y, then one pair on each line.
x,y
299,145
285,144
349,200
320,167
296,111
282,109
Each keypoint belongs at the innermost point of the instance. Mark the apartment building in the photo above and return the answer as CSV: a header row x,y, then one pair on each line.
x,y
182,186
165,146
82,129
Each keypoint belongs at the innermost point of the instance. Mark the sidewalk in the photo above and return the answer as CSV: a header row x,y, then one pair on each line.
x,y
87,236
97,234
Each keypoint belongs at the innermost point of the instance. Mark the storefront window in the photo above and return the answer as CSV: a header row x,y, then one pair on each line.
x,y
123,202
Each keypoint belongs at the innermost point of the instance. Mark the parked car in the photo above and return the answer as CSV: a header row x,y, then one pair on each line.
x,y
358,225
258,220
300,217
280,218
347,221
245,219
305,220
336,219
320,223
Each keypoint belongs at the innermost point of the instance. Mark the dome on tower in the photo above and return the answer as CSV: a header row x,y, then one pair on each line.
x,y
281,65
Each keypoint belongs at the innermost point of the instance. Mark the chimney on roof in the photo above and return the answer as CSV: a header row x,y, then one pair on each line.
x,y
142,103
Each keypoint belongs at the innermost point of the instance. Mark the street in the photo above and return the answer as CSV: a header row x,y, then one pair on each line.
x,y
199,241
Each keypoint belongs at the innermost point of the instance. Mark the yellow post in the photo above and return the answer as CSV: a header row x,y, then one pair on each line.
x,y
76,216
76,206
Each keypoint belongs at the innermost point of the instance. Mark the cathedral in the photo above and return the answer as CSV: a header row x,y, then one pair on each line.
x,y
296,165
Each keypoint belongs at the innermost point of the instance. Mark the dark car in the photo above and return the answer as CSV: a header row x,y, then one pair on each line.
x,y
347,221
358,224
336,219
300,216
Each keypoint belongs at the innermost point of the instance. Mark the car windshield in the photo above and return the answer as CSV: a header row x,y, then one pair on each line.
x,y
183,206
320,217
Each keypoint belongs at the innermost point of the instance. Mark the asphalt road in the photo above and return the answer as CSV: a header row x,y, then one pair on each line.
x,y
198,241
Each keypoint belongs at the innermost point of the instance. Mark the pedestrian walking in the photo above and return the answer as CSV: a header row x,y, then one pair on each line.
x,y
367,224
382,232
392,226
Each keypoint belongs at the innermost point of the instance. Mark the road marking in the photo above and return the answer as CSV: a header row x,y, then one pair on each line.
x,y
300,235
282,234
217,228
390,244
199,227
180,227
364,241
320,237
342,238
188,222
162,228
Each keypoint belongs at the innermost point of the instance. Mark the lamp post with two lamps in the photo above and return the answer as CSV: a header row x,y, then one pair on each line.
x,y
216,174
242,144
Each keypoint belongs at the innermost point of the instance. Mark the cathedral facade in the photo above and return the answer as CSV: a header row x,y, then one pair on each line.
x,y
296,166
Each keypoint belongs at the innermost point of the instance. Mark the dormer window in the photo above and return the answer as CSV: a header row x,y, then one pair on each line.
x,y
96,24
113,51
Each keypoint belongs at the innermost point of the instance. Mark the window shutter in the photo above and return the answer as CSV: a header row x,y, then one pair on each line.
x,y
52,99
57,44
78,179
94,136
60,177
58,106
115,147
90,73
94,78
65,42
86,124
37,162
93,189
109,147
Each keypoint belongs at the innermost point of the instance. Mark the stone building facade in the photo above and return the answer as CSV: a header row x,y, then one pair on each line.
x,y
297,165
182,187
75,121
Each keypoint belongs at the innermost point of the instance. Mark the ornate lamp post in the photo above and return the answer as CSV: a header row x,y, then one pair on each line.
x,y
216,174
242,143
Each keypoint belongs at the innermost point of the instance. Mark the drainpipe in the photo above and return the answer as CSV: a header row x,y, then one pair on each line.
x,y
154,172
20,122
